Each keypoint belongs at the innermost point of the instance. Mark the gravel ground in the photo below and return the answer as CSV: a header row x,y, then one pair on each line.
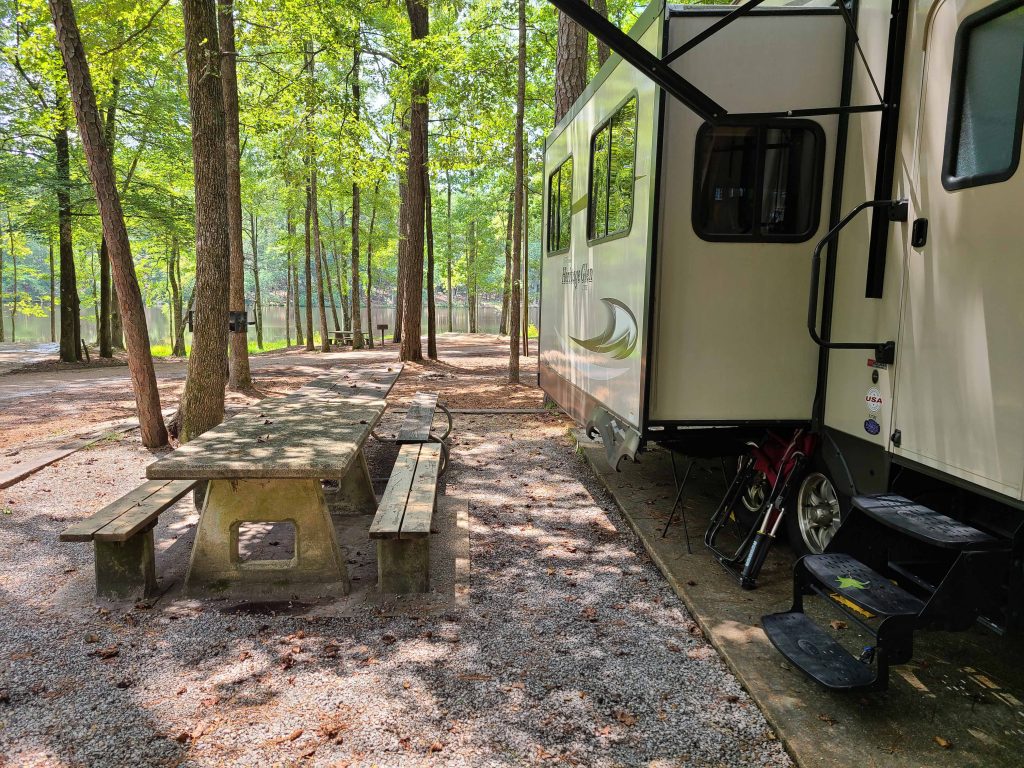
x,y
572,648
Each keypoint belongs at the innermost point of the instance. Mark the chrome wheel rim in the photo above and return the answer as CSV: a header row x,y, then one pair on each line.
x,y
817,512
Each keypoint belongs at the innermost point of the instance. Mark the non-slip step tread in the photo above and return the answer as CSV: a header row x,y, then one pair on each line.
x,y
815,653
861,585
919,522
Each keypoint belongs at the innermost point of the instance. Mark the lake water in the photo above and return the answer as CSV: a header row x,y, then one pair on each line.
x,y
158,318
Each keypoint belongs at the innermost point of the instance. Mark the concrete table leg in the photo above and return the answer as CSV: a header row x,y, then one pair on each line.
x,y
317,566
355,491
403,565
126,569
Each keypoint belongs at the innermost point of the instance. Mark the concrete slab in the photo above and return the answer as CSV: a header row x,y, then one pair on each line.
x,y
964,690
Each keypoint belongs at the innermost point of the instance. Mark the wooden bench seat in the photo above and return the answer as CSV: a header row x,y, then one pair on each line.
x,y
404,516
122,534
418,419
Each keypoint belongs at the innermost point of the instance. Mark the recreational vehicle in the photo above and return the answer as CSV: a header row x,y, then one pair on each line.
x,y
807,215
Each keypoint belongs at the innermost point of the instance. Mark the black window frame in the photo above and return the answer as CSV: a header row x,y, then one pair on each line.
x,y
954,117
756,236
633,95
547,237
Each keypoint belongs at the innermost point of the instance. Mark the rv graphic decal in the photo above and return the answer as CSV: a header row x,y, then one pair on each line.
x,y
619,336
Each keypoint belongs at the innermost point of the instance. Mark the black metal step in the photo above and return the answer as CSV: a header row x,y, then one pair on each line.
x,y
815,653
923,524
861,585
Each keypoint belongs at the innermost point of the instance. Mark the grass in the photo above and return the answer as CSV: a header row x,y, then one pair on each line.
x,y
164,350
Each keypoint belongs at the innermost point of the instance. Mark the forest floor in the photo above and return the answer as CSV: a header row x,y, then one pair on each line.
x,y
569,648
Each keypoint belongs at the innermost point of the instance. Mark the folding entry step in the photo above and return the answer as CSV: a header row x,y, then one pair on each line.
x,y
811,649
923,524
893,567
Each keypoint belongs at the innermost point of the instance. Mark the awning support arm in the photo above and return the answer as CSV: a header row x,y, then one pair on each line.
x,y
645,61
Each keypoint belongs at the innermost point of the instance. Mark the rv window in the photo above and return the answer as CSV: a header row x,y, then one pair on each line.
x,y
758,183
612,176
560,207
986,105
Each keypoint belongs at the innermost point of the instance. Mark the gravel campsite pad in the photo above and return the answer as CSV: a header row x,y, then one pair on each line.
x,y
571,648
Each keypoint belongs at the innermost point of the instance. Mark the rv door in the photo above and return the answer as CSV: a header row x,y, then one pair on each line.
x,y
960,359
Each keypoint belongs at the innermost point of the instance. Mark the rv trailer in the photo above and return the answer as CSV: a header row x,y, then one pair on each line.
x,y
778,215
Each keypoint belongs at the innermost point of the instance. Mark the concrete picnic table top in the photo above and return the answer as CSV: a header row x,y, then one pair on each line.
x,y
312,433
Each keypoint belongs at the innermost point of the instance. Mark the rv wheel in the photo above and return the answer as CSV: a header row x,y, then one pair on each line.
x,y
814,515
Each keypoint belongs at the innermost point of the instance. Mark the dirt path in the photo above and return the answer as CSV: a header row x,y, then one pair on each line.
x,y
570,649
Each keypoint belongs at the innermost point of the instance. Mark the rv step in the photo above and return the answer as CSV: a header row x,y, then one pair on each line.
x,y
861,585
924,524
815,653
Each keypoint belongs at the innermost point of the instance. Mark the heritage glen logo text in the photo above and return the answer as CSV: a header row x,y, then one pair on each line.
x,y
583,274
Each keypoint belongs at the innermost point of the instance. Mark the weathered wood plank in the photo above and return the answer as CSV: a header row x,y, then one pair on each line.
x,y
388,521
84,530
138,517
313,433
416,425
419,509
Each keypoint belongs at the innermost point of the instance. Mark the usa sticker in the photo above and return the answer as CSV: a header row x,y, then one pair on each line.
x,y
873,399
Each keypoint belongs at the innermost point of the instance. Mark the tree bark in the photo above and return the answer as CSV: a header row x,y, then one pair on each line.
x,y
603,52
403,245
507,284
517,213
412,269
526,257
330,285
295,280
448,255
325,339
471,277
369,267
257,301
101,172
431,310
53,293
239,373
103,328
176,319
570,65
288,295
70,326
309,274
357,323
202,402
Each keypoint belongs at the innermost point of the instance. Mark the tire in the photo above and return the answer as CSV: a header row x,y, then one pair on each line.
x,y
814,513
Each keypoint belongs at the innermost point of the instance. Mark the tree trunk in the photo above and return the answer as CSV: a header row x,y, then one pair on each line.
x,y
526,257
517,214
451,297
101,172
325,339
288,297
507,284
309,274
53,293
570,65
369,264
103,324
70,327
431,309
295,280
412,269
239,373
176,319
601,6
357,323
471,277
257,301
330,285
403,247
202,402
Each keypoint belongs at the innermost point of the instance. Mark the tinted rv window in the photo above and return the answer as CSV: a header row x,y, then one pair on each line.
x,y
758,183
612,175
560,207
986,107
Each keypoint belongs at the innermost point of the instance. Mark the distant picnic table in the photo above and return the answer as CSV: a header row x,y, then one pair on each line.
x,y
266,465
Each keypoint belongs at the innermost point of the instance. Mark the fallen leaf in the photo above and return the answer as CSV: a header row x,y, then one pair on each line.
x,y
202,727
605,731
92,638
244,655
944,743
828,719
309,752
437,746
837,624
181,690
182,737
263,438
406,685
108,652
294,734
625,717
475,677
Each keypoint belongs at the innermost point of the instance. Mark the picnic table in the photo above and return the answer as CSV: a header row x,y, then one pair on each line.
x,y
266,465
